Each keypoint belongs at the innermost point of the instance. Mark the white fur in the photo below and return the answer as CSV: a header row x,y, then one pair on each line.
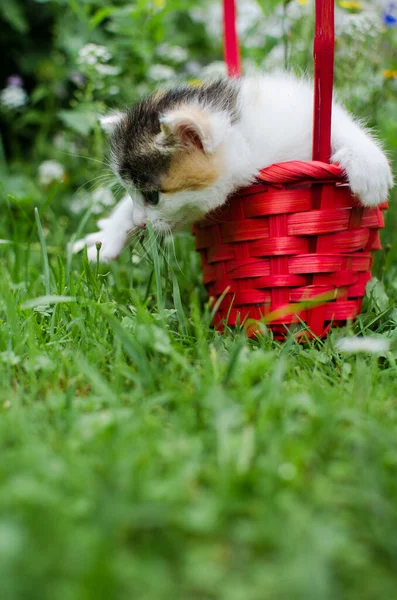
x,y
114,233
109,122
211,130
275,126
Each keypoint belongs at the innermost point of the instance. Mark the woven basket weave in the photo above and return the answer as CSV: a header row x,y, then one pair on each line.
x,y
296,236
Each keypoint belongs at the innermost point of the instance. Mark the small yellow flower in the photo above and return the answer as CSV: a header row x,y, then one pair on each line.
x,y
351,4
302,1
389,73
194,82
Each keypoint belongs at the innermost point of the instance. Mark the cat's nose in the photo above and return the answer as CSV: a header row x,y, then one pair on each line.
x,y
151,198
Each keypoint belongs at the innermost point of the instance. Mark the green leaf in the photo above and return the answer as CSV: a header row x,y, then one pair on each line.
x,y
39,93
21,188
12,13
376,291
102,14
82,122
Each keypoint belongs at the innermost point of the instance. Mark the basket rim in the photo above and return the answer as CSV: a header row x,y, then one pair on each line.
x,y
292,171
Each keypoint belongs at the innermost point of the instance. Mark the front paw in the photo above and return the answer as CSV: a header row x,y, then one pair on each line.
x,y
114,233
369,174
108,242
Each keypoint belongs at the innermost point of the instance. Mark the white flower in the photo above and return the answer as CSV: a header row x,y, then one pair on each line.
x,y
275,58
80,202
107,69
91,54
9,357
193,68
211,16
161,72
197,14
176,53
214,69
358,25
297,10
103,196
13,96
249,15
59,141
113,90
373,345
256,37
49,171
275,27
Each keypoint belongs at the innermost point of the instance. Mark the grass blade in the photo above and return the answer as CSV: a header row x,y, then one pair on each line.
x,y
48,299
178,304
46,266
156,265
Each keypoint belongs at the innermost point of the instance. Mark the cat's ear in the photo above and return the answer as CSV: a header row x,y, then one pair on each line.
x,y
192,127
109,122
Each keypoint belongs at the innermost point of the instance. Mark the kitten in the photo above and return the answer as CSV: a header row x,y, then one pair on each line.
x,y
180,153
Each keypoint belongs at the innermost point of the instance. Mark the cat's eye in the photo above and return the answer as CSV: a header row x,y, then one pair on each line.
x,y
151,198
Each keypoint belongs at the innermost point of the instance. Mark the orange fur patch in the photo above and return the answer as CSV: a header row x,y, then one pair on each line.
x,y
192,170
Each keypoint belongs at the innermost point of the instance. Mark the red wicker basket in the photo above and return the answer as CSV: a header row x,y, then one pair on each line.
x,y
296,247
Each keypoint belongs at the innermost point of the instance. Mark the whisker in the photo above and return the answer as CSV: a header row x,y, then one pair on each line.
x,y
104,181
118,188
107,163
103,178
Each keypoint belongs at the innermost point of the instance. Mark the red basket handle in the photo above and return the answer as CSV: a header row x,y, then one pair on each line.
x,y
323,51
231,49
323,69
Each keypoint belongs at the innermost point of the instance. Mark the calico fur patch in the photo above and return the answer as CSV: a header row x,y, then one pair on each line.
x,y
144,159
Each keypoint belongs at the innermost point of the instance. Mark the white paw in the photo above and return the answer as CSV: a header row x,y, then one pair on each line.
x,y
114,233
111,241
369,174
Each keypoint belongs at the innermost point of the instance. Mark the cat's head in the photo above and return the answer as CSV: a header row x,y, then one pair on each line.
x,y
172,145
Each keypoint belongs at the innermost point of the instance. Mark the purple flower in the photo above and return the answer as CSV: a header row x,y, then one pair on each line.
x,y
390,15
15,81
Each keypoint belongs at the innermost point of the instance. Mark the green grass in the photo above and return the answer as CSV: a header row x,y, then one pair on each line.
x,y
144,456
